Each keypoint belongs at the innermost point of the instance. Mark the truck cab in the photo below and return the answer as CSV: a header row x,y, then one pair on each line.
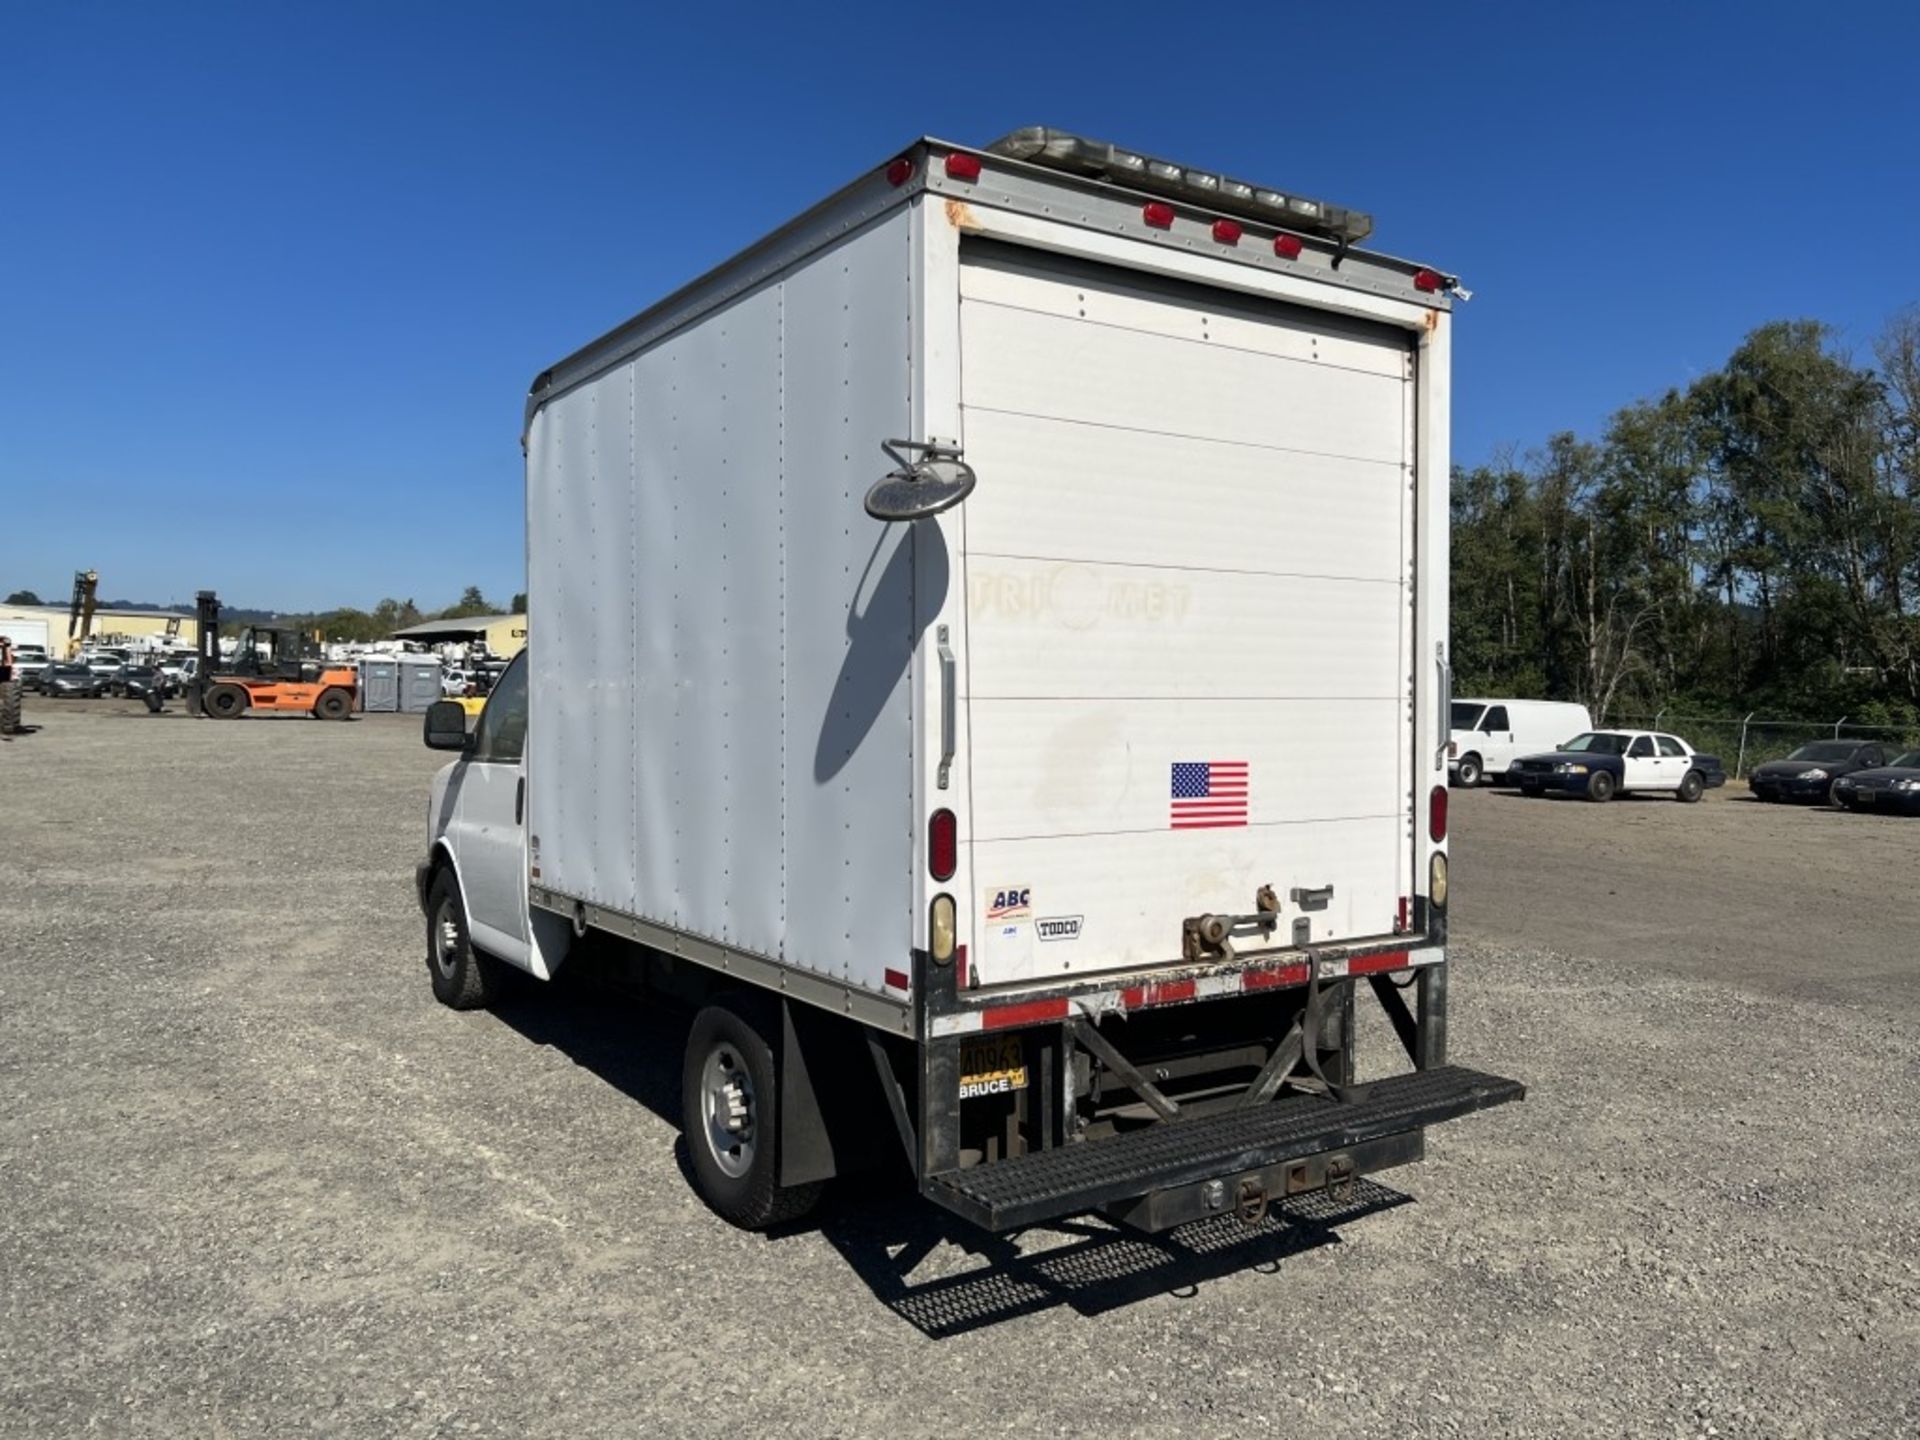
x,y
473,883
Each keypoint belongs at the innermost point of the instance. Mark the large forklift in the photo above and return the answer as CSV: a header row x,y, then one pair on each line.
x,y
272,669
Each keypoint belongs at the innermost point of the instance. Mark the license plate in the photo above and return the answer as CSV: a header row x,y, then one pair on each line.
x,y
992,1067
1865,797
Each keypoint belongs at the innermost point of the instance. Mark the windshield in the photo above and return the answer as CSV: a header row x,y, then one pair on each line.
x,y
1908,761
1466,714
1824,750
1595,742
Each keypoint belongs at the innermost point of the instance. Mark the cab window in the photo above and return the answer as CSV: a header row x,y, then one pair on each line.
x,y
502,732
1671,746
1496,720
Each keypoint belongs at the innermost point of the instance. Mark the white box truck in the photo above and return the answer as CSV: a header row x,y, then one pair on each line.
x,y
991,657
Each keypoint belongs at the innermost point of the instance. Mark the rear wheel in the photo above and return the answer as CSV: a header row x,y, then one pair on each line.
x,y
333,704
463,978
1692,787
1600,787
1469,771
731,1119
226,702
9,706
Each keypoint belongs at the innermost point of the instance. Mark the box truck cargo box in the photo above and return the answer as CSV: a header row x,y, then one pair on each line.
x,y
994,657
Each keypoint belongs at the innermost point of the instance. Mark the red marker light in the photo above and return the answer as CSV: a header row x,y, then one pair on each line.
x,y
963,167
1287,247
1227,232
899,172
1158,215
1437,814
1427,282
943,844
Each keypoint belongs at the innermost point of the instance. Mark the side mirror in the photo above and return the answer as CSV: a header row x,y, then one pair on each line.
x,y
445,726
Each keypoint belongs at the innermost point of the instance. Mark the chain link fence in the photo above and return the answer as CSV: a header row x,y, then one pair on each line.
x,y
1744,741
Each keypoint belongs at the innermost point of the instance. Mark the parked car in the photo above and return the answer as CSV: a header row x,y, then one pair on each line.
x,y
1489,735
70,681
1602,763
1893,786
30,663
179,670
455,683
1809,772
103,663
135,681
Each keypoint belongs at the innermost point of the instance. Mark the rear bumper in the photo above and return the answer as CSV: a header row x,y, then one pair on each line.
x,y
1897,802
1167,1173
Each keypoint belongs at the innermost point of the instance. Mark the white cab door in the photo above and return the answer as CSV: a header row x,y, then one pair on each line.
x,y
487,823
1189,616
1497,748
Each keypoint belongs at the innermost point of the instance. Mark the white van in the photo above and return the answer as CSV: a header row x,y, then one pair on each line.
x,y
1489,735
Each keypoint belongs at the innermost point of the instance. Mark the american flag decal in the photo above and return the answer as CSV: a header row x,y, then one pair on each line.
x,y
1208,794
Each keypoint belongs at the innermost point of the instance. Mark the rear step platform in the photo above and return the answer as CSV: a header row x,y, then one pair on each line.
x,y
1072,1179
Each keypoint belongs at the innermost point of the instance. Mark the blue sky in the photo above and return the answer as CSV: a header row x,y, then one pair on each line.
x,y
273,279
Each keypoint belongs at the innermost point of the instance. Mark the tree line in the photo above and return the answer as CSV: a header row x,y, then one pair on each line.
x,y
348,624
1751,542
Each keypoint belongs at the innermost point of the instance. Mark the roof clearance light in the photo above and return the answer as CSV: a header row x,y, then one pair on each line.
x,y
1227,232
1287,247
1158,215
899,172
1428,282
963,167
1062,150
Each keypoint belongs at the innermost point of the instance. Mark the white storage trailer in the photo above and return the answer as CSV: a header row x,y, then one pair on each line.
x,y
1040,812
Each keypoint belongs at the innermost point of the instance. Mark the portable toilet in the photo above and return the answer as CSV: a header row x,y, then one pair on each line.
x,y
419,682
379,683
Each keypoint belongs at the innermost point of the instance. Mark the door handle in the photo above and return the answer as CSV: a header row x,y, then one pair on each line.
x,y
520,801
949,707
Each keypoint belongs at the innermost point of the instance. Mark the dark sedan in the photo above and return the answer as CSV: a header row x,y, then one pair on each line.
x,y
1809,772
68,681
1894,786
136,681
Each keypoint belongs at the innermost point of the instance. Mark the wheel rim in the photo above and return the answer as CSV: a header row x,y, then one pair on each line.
x,y
446,939
727,1110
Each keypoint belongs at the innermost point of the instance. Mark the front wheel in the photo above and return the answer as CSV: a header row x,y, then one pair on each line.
x,y
226,702
1469,771
463,978
1692,787
730,1116
333,704
1600,787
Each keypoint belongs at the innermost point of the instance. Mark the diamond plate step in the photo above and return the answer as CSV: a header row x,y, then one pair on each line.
x,y
1073,1179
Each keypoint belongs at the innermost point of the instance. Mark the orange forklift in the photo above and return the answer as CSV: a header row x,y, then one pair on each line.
x,y
271,670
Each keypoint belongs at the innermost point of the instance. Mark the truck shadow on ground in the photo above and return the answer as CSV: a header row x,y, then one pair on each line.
x,y
885,1232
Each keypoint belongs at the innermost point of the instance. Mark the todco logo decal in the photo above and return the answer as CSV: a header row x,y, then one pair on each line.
x,y
1060,927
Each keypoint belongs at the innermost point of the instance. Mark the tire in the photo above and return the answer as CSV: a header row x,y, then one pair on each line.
x,y
730,1118
1692,787
333,704
226,702
463,978
10,692
1469,771
1600,787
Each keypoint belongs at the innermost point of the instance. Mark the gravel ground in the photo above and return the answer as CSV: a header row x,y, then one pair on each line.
x,y
254,1182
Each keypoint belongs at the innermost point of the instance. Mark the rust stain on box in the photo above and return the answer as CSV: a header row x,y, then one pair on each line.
x,y
960,216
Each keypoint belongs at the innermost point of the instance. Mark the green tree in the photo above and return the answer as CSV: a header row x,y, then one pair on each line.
x,y
472,602
24,597
519,605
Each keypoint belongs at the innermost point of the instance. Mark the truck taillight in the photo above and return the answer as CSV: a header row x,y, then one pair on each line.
x,y
963,167
1427,282
943,844
1437,814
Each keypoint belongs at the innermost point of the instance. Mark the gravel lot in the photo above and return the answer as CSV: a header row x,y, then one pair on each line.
x,y
253,1181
